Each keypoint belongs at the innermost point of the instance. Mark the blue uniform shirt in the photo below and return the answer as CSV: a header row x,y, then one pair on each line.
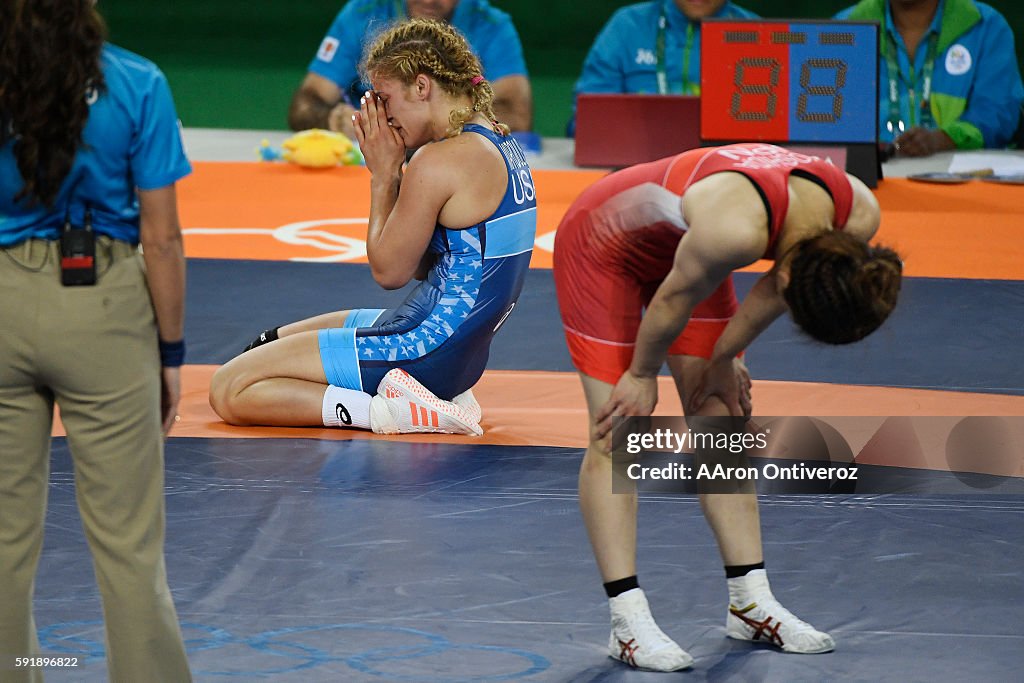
x,y
489,31
624,56
131,140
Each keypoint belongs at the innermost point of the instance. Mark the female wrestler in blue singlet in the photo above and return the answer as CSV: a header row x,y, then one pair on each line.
x,y
462,217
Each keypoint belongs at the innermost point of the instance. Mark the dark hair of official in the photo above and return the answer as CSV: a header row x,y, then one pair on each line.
x,y
49,66
841,289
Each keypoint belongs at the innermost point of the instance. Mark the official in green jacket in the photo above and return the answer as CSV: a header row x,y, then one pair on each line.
x,y
948,74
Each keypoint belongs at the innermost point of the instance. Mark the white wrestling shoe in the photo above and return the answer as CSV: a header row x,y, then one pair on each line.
x,y
467,401
637,640
404,406
756,615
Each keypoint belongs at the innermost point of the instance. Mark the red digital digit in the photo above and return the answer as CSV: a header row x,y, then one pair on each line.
x,y
751,85
744,83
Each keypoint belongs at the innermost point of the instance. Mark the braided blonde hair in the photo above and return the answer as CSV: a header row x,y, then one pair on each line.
x,y
436,49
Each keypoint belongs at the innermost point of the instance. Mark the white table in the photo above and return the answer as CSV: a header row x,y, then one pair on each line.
x,y
221,144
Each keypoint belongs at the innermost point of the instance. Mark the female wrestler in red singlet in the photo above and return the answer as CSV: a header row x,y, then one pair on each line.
x,y
643,263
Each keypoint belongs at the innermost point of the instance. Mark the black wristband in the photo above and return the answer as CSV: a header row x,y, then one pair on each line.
x,y
172,354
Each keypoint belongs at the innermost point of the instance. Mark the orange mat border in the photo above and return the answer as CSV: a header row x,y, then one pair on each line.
x,y
974,230
532,408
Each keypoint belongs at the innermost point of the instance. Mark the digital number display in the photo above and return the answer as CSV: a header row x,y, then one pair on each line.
x,y
784,81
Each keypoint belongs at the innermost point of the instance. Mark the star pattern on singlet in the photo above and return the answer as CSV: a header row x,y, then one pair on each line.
x,y
458,292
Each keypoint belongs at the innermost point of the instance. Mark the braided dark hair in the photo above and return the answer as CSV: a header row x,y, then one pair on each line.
x,y
841,289
49,66
434,48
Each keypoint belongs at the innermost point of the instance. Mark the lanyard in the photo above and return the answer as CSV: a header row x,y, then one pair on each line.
x,y
895,124
659,55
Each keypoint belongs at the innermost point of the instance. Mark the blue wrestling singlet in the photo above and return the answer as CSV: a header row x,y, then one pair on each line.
x,y
441,334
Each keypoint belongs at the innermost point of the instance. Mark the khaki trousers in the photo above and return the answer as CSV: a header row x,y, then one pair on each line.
x,y
93,350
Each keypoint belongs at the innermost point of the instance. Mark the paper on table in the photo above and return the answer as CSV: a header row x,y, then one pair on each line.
x,y
1004,163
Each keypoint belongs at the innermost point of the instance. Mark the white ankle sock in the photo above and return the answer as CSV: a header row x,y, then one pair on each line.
x,y
748,588
346,408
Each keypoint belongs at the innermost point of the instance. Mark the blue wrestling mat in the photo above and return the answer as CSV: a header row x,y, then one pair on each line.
x,y
961,335
362,561
306,560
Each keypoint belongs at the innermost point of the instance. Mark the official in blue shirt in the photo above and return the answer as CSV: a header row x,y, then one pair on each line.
x,y
90,148
651,47
333,84
131,140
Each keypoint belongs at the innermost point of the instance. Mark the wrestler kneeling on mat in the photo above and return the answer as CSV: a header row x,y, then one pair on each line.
x,y
665,237
461,217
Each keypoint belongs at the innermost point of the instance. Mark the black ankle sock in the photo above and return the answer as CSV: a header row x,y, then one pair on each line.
x,y
737,570
265,337
617,588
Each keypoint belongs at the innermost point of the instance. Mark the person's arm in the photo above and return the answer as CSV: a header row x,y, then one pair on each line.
x,y
698,269
704,258
320,101
762,306
426,263
160,235
156,157
513,102
993,105
991,112
403,206
497,44
318,104
922,142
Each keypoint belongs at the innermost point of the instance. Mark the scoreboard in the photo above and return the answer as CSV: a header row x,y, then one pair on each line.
x,y
792,82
